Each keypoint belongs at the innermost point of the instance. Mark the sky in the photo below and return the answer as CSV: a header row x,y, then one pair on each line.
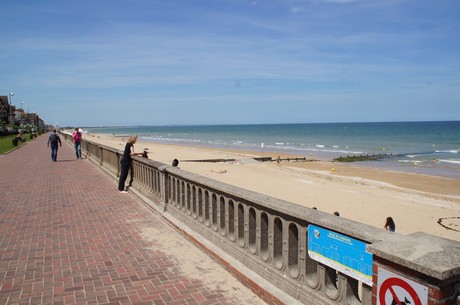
x,y
181,62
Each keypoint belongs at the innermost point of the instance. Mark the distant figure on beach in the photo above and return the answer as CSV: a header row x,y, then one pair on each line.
x,y
336,213
278,160
54,140
126,163
390,225
175,163
145,153
76,136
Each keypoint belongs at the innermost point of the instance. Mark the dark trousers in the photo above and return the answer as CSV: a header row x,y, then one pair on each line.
x,y
124,171
78,149
54,151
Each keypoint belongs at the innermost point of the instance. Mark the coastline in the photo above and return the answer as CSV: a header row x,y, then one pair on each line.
x,y
361,193
429,148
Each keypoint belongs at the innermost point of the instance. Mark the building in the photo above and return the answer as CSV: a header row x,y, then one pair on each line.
x,y
12,118
4,108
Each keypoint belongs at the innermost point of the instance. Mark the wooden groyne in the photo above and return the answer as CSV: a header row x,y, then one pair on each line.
x,y
270,159
356,158
210,160
260,159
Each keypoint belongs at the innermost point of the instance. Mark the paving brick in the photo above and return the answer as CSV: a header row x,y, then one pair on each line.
x,y
68,237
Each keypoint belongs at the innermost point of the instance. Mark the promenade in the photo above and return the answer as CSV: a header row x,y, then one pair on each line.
x,y
67,236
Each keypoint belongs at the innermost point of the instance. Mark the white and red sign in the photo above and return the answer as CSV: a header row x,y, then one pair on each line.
x,y
393,289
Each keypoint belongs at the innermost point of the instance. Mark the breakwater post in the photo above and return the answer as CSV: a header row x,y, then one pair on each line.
x,y
374,157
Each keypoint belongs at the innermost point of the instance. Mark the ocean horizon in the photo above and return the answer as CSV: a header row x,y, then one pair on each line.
x,y
430,147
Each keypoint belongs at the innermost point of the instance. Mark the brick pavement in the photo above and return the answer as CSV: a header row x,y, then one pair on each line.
x,y
68,237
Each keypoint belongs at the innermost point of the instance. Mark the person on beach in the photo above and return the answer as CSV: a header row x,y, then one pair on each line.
x,y
390,225
126,163
76,136
54,140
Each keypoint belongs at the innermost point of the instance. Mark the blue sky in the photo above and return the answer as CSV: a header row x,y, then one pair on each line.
x,y
157,62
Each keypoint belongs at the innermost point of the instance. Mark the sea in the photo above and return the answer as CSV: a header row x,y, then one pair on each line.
x,y
431,148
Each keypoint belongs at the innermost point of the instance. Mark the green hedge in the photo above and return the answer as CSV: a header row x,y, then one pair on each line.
x,y
6,143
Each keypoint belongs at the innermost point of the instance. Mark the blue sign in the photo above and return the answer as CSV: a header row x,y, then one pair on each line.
x,y
341,252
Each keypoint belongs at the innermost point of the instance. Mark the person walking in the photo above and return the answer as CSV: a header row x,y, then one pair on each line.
x,y
54,140
76,135
125,163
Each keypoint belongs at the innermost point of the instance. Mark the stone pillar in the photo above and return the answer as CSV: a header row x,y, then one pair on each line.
x,y
118,164
164,188
417,269
101,158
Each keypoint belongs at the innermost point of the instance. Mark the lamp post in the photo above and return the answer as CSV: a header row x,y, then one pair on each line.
x,y
11,107
23,115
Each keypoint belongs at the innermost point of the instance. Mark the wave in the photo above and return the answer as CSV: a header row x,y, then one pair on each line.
x,y
245,144
449,161
412,156
419,162
332,150
165,140
423,154
450,151
292,148
411,161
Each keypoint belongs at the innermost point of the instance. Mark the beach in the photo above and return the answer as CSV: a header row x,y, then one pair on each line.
x,y
416,202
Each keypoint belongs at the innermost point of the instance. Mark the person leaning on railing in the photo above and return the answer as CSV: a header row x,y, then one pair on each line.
x,y
126,163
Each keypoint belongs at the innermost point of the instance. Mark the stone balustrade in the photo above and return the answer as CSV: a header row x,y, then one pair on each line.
x,y
265,241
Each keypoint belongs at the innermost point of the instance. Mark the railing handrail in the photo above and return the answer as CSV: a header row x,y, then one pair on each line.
x,y
346,226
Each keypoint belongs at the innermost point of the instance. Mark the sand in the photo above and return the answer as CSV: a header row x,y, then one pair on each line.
x,y
364,194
